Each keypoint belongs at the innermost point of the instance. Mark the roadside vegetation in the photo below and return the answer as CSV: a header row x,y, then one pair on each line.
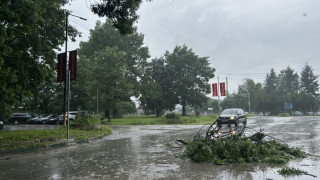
x,y
283,114
27,140
171,119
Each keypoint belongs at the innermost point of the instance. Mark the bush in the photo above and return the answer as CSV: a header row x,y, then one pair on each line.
x,y
172,118
284,115
86,123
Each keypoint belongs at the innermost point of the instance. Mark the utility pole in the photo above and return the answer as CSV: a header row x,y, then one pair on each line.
x,y
227,86
97,102
218,86
67,76
248,99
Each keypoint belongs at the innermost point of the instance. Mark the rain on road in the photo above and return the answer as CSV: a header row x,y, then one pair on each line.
x,y
150,152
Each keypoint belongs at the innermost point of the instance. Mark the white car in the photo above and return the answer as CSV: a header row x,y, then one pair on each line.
x,y
1,125
72,116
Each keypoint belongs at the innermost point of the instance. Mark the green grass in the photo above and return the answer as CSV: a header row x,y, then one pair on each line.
x,y
250,115
23,140
152,120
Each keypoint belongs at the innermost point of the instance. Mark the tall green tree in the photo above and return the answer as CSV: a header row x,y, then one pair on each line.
x,y
272,93
30,32
107,69
288,86
157,90
191,75
105,35
309,87
229,102
135,56
122,13
309,81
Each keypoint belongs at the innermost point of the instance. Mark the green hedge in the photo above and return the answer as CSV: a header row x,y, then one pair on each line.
x,y
283,114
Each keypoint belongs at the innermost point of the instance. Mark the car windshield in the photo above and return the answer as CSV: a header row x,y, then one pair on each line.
x,y
229,112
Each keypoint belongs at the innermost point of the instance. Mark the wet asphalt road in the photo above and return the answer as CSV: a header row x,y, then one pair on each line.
x,y
151,152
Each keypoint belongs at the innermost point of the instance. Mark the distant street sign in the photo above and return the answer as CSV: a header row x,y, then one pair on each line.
x,y
288,106
210,109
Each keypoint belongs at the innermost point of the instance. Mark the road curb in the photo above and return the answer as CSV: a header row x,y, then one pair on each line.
x,y
54,145
74,142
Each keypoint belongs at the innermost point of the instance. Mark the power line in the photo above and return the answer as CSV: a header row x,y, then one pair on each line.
x,y
72,20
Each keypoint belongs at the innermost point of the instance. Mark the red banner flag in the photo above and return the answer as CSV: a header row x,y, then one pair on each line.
x,y
61,67
223,89
73,65
214,89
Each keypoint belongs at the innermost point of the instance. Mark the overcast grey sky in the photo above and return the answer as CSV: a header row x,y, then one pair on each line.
x,y
243,38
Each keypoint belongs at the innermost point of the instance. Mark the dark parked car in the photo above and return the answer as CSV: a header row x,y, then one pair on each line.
x,y
19,118
232,116
1,125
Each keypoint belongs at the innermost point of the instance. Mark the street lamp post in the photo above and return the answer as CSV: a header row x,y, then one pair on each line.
x,y
248,99
67,75
196,109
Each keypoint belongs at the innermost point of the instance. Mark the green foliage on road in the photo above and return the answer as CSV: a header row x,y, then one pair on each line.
x,y
237,149
152,120
26,140
290,171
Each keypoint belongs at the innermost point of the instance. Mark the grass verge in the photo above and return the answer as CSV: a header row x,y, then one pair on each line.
x,y
152,120
24,140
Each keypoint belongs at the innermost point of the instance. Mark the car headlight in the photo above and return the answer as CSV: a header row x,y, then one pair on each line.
x,y
232,117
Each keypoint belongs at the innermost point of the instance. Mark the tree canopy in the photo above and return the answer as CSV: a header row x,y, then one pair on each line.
x,y
110,65
285,88
122,13
182,77
30,32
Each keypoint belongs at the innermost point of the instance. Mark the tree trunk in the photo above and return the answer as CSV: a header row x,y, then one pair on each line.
x,y
183,108
159,109
116,114
107,114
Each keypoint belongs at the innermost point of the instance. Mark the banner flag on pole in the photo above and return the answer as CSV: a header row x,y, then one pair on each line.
x,y
61,67
214,89
223,89
73,65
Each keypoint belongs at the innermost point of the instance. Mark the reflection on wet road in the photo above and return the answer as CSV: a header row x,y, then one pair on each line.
x,y
151,152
